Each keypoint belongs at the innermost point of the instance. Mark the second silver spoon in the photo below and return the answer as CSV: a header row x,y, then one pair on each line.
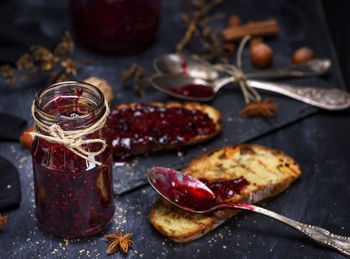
x,y
328,99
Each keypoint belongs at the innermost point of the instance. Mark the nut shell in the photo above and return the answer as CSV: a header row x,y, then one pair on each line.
x,y
261,55
102,84
27,138
303,55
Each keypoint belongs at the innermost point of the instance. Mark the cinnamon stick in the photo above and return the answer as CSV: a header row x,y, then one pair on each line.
x,y
262,28
229,48
233,20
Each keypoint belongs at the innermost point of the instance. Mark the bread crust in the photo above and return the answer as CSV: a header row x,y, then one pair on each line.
x,y
279,174
212,113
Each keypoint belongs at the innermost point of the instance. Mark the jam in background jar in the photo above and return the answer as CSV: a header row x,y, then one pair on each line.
x,y
119,27
73,196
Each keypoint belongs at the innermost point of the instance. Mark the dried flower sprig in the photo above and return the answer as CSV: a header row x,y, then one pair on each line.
x,y
197,21
57,64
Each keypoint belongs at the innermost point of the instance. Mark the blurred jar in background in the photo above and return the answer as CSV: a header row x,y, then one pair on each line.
x,y
116,27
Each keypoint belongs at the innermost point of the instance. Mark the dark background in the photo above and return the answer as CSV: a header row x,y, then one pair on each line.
x,y
336,12
319,143
338,18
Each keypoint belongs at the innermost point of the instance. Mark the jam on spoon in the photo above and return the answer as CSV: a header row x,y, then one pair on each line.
x,y
332,99
193,90
193,195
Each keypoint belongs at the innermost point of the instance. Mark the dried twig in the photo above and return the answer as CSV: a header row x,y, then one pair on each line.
x,y
197,25
136,74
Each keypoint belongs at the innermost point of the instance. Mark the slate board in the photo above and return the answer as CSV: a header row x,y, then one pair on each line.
x,y
10,187
298,28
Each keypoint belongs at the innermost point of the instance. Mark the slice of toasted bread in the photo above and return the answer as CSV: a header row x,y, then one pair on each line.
x,y
212,113
268,171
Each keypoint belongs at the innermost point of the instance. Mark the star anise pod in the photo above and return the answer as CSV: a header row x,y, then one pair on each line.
x,y
264,109
117,240
3,220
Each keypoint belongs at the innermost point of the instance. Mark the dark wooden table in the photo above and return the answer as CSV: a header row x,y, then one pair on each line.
x,y
318,140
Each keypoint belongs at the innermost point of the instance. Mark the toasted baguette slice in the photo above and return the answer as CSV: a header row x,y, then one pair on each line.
x,y
268,171
212,113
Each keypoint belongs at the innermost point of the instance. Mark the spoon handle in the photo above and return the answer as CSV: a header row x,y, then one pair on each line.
x,y
329,99
315,67
318,234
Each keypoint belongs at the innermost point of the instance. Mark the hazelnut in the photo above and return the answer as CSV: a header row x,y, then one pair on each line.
x,y
27,138
102,84
261,55
303,55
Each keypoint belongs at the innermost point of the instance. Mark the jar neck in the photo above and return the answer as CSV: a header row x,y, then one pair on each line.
x,y
72,105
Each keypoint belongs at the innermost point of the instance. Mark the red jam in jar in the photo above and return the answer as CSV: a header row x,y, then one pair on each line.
x,y
73,196
115,26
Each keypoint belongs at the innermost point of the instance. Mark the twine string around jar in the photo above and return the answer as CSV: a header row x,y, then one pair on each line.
x,y
249,93
72,139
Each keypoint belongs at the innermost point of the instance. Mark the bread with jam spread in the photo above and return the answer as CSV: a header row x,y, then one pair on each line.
x,y
268,172
140,148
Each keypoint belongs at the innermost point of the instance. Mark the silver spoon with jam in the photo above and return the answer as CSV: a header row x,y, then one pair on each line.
x,y
193,195
197,67
194,79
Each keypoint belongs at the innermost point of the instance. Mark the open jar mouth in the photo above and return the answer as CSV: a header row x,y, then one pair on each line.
x,y
55,104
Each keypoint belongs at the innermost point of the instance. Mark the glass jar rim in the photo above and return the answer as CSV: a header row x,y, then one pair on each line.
x,y
99,105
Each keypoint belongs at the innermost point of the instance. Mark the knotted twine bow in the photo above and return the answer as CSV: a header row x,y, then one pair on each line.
x,y
249,93
73,139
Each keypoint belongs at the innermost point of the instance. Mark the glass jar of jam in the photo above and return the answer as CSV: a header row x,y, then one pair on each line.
x,y
73,195
119,27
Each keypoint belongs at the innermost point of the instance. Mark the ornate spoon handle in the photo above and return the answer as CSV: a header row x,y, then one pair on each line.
x,y
314,67
329,99
320,235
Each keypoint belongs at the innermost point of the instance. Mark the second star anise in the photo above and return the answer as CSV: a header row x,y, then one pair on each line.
x,y
117,241
264,109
